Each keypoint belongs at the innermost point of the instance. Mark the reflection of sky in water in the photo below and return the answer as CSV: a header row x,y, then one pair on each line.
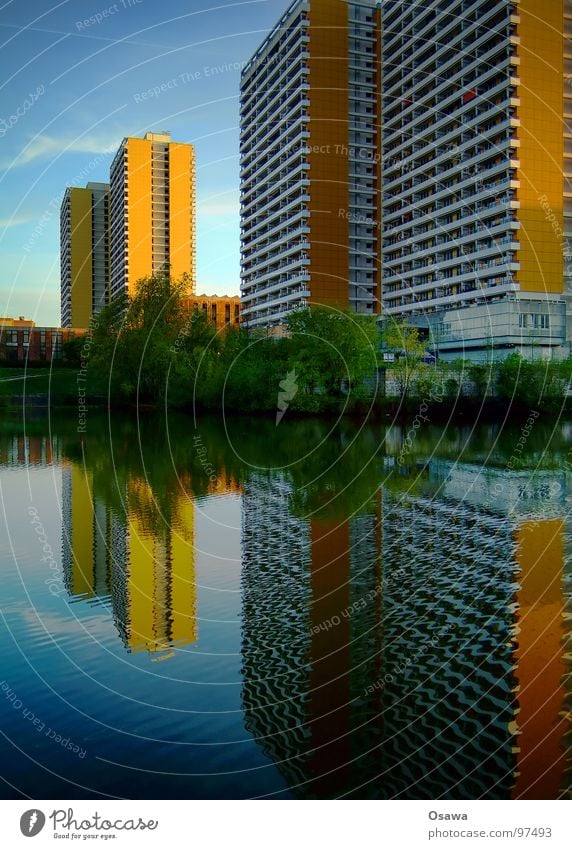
x,y
303,628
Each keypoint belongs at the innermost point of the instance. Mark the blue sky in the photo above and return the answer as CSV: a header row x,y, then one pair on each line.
x,y
76,76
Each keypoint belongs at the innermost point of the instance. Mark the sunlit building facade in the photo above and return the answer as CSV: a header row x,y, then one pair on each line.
x,y
221,310
310,173
84,253
152,211
476,212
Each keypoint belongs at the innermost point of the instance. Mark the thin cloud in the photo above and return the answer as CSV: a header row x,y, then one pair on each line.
x,y
43,147
15,221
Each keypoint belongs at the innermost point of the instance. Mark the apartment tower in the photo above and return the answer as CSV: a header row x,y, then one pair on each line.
x,y
152,211
84,253
477,215
310,170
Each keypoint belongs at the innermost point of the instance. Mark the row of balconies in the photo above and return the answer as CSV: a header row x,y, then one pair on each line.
x,y
266,237
430,60
452,148
450,199
295,202
262,194
274,194
261,190
450,110
467,215
262,133
467,263
468,236
282,165
264,99
449,125
425,183
420,20
266,271
261,168
270,76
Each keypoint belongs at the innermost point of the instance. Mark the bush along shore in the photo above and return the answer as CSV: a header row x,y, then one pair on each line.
x,y
148,351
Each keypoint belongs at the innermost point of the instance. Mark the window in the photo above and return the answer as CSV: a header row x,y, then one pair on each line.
x,y
541,322
534,320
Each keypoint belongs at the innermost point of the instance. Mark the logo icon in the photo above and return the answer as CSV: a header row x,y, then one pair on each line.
x,y
289,389
32,822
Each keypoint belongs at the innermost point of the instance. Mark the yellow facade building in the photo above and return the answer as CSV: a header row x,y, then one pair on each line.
x,y
221,310
477,204
310,173
152,211
84,253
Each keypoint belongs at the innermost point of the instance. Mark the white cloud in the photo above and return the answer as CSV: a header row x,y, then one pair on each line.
x,y
43,147
15,221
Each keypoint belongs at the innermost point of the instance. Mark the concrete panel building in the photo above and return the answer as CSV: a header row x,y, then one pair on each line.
x,y
475,204
310,173
84,253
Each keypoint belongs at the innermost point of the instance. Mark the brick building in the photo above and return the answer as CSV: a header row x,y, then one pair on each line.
x,y
21,340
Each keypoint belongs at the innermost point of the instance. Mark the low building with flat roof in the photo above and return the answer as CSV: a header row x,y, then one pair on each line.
x,y
21,341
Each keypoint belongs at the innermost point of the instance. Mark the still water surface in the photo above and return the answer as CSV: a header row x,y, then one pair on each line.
x,y
304,611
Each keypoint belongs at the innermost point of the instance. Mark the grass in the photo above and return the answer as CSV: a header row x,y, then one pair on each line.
x,y
60,383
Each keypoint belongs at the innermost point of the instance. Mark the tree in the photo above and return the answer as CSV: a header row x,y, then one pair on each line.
x,y
538,384
143,342
404,341
72,351
482,376
332,348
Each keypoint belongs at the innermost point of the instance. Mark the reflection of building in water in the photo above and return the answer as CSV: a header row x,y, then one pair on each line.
x,y
160,584
447,678
144,568
539,658
310,638
22,450
476,713
88,534
448,682
276,624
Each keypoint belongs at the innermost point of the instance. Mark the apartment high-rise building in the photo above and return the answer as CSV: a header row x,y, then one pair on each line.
x,y
84,253
152,211
310,170
477,215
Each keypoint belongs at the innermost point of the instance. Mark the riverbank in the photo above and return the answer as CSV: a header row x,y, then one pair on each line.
x,y
57,388
147,352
